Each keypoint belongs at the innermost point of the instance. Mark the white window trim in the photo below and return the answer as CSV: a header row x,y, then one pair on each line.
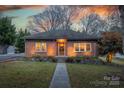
x,y
40,50
84,48
75,47
90,47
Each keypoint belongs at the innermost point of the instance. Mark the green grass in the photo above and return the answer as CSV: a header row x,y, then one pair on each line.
x,y
26,74
89,75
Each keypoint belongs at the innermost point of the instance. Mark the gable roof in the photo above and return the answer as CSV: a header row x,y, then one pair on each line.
x,y
59,34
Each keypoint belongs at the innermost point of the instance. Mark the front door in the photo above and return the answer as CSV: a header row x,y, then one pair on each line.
x,y
61,49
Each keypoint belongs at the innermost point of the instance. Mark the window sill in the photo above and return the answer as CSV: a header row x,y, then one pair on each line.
x,y
40,51
82,51
79,51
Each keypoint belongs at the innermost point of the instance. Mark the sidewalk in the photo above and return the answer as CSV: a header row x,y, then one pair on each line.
x,y
60,78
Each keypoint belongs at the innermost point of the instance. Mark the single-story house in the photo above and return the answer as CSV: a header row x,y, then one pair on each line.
x,y
61,43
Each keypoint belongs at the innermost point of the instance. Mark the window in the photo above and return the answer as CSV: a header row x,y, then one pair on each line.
x,y
88,47
76,46
40,47
82,47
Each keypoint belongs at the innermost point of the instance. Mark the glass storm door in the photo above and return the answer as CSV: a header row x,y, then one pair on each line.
x,y
61,49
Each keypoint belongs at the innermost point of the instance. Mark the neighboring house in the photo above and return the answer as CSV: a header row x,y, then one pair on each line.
x,y
3,49
61,43
11,50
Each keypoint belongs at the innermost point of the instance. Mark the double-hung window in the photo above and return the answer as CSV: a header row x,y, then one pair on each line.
x,y
40,47
88,47
77,47
82,47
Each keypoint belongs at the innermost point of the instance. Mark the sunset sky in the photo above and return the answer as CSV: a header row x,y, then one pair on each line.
x,y
21,13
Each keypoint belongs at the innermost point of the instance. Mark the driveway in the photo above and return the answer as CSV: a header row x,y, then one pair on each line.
x,y
7,57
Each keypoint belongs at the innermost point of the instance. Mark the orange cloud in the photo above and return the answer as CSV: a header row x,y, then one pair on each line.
x,y
102,10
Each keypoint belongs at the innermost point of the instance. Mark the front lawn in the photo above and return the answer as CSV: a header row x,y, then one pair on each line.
x,y
90,75
26,74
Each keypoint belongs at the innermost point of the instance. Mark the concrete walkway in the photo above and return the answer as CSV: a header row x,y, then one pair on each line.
x,y
60,78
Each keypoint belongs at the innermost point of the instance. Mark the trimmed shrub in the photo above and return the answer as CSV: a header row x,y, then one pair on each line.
x,y
38,57
84,60
78,59
52,59
70,60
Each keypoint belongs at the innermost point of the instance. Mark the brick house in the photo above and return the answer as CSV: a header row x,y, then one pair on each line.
x,y
61,43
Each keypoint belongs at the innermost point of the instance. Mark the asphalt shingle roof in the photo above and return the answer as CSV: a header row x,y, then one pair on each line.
x,y
69,35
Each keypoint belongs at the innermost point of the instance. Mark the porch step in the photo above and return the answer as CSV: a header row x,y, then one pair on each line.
x,y
61,59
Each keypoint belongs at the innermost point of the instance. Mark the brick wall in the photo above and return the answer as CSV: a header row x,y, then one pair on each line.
x,y
30,49
52,49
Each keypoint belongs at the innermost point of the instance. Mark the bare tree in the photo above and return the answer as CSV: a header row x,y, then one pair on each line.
x,y
113,20
55,17
92,24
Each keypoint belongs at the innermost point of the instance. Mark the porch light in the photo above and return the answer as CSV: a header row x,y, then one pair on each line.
x,y
61,40
61,44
